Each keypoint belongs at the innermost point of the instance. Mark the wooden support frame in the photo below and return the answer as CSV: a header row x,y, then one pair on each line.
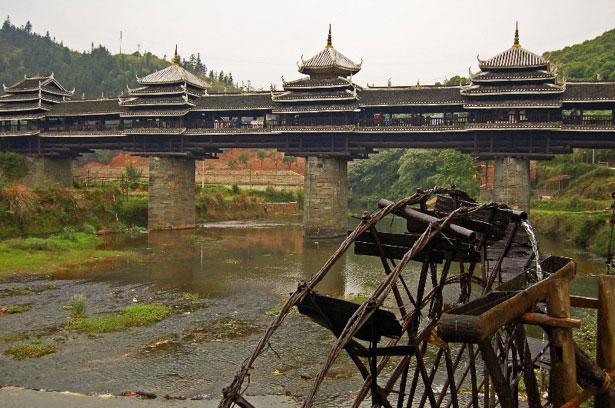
x,y
605,347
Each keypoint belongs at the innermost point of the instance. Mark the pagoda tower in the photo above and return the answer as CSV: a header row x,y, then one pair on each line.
x,y
326,97
513,89
157,110
23,107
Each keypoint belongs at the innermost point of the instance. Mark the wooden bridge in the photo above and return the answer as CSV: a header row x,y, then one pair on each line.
x,y
417,347
513,109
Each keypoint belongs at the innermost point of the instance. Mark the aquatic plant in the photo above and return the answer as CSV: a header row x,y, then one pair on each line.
x,y
30,350
130,316
78,307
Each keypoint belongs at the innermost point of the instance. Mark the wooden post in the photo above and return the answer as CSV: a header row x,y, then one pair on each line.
x,y
563,383
605,347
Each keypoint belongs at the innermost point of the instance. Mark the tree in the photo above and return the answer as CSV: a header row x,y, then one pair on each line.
x,y
28,27
231,164
289,160
443,168
244,158
457,80
261,154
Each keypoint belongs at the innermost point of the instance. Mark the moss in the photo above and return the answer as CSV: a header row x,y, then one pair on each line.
x,y
14,309
219,330
31,350
130,316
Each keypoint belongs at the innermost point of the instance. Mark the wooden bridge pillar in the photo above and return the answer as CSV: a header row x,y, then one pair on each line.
x,y
511,182
171,193
49,172
325,209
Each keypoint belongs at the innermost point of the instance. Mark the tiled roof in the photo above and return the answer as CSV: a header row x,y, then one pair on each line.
x,y
323,96
410,96
248,101
589,91
20,107
172,89
495,76
160,101
476,90
87,107
304,83
172,74
514,57
477,103
328,59
153,113
312,108
46,83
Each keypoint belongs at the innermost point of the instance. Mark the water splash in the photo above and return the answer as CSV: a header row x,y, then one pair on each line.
x,y
534,242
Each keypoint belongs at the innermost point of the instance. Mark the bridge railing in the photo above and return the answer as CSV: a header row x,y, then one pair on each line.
x,y
593,120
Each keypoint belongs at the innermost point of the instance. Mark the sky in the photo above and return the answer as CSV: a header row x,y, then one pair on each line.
x,y
262,40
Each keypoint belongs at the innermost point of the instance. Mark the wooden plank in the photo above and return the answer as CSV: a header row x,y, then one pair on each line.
x,y
605,347
584,302
543,320
563,376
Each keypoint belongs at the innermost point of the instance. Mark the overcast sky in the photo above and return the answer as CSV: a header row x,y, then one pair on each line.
x,y
261,40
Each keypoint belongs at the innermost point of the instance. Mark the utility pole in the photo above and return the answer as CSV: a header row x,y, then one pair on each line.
x,y
120,42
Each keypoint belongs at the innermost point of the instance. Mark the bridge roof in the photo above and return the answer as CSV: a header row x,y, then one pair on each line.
x,y
514,58
589,92
86,107
46,83
244,101
410,96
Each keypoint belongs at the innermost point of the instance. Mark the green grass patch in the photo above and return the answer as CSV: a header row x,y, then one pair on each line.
x,y
13,309
130,316
588,230
31,350
58,251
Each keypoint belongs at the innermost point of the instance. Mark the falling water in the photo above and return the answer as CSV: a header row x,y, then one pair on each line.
x,y
534,242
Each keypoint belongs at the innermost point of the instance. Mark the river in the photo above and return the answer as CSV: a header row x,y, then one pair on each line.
x,y
237,274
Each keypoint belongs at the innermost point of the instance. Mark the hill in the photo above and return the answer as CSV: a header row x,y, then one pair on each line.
x,y
93,73
591,59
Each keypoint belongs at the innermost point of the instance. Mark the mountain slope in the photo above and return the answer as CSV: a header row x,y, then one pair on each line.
x,y
591,59
92,73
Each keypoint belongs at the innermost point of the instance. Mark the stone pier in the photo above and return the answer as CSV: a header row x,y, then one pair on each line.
x,y
171,193
325,210
49,172
511,182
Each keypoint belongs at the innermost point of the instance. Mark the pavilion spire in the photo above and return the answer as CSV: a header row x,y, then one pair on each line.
x,y
176,56
516,43
329,39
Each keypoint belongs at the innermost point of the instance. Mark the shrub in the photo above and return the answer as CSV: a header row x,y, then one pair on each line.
x,y
13,166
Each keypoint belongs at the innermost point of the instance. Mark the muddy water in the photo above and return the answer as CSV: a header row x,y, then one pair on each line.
x,y
224,282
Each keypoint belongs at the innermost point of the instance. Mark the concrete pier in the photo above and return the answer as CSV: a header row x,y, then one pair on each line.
x,y
325,210
171,193
511,182
49,172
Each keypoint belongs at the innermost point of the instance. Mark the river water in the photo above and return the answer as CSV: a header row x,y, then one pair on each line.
x,y
236,275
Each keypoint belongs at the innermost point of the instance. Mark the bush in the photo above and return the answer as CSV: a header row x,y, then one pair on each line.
x,y
13,166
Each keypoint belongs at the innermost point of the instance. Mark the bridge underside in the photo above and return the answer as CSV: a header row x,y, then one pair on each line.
x,y
535,145
326,192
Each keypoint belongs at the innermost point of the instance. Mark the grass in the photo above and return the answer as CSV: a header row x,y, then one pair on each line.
x,y
130,316
58,251
14,309
77,307
30,350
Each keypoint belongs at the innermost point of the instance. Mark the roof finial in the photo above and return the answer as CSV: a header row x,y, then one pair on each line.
x,y
176,56
516,44
329,39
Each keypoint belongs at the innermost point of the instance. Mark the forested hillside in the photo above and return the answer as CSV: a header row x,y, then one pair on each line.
x,y
93,73
592,59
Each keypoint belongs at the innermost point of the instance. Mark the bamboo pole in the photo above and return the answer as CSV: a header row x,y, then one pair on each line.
x,y
605,342
563,385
